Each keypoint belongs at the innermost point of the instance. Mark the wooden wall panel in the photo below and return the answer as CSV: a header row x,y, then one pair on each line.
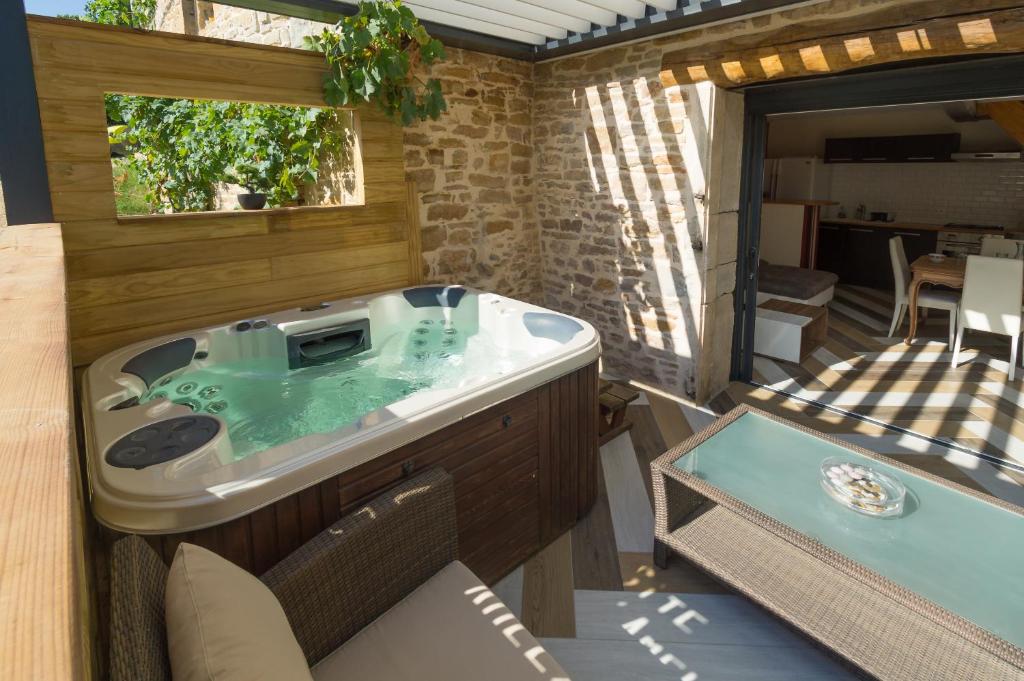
x,y
134,278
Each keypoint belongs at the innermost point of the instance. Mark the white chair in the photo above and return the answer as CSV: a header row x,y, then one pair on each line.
x,y
998,247
934,300
991,301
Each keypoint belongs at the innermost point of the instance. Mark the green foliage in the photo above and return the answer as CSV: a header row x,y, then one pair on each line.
x,y
181,149
276,149
129,190
133,13
175,145
371,57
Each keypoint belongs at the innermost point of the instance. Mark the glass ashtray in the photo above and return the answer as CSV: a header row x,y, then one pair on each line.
x,y
862,488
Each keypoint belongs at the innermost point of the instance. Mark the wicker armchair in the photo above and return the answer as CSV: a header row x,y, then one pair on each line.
x,y
330,588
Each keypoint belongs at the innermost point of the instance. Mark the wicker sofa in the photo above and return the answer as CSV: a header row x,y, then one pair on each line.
x,y
378,595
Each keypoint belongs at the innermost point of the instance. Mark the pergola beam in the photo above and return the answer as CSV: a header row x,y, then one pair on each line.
x,y
26,186
609,21
999,31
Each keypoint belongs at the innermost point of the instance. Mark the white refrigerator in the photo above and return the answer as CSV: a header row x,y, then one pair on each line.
x,y
798,179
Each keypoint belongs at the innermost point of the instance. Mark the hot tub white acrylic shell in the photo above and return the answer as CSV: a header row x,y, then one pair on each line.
x,y
209,487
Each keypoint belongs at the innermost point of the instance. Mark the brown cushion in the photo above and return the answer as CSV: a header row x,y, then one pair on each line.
x,y
793,282
223,624
450,628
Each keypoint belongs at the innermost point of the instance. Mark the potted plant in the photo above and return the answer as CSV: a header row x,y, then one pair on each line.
x,y
257,188
254,177
373,56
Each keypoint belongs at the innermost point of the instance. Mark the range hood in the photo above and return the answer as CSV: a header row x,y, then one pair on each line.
x,y
987,156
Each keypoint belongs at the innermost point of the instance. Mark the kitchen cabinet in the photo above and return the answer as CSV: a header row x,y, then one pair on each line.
x,y
830,249
903,149
867,256
859,253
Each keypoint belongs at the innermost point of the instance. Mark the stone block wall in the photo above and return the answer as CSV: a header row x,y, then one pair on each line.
x,y
474,171
583,184
626,211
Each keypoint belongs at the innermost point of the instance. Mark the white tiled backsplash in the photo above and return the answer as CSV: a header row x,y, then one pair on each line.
x,y
981,193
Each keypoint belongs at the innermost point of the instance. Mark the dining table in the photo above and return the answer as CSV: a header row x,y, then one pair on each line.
x,y
947,272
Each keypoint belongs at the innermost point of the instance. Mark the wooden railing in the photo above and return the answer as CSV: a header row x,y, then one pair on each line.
x,y
43,598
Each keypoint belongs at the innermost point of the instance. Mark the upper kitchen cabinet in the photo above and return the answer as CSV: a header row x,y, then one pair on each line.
x,y
901,149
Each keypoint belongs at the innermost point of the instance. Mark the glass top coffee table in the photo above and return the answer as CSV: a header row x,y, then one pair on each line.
x,y
936,591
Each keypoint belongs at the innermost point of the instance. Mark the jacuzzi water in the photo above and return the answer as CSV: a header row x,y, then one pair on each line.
x,y
265,405
196,428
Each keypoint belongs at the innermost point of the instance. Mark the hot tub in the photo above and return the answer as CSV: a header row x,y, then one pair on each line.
x,y
195,429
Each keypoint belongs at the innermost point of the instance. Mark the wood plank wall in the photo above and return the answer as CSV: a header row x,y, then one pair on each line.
x,y
134,278
44,607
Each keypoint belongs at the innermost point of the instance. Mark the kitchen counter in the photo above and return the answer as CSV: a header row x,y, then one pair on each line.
x,y
906,225
808,202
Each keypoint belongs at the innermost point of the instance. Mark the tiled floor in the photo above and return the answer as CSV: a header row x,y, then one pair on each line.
x,y
914,387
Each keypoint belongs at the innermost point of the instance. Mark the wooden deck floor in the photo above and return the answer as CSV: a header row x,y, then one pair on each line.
x,y
631,620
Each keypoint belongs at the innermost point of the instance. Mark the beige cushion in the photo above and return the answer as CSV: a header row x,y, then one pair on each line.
x,y
452,628
223,624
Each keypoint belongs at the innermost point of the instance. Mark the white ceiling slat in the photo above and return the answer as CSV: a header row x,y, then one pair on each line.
x,y
485,27
577,8
663,5
634,9
535,13
496,17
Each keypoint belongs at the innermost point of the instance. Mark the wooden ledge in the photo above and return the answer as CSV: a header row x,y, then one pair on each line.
x,y
42,594
216,214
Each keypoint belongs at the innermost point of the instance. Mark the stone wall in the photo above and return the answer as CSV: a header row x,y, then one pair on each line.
x,y
630,220
581,183
474,171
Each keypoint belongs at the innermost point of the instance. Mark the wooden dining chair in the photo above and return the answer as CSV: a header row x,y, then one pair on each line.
x,y
991,302
926,298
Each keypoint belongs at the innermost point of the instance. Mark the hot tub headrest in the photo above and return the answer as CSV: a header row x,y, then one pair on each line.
x,y
552,326
434,296
161,360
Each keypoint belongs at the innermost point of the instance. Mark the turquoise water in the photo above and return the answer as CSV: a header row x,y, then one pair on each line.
x,y
964,554
265,406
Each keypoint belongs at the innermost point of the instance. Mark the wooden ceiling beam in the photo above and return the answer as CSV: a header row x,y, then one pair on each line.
x,y
998,31
1009,115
